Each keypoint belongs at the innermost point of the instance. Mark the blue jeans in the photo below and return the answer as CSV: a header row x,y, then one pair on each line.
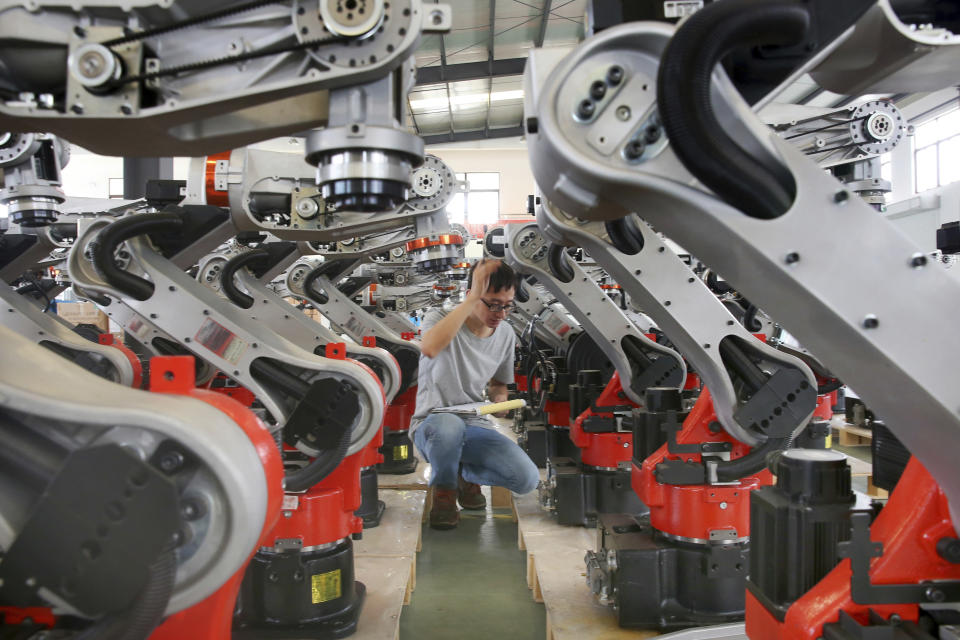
x,y
486,456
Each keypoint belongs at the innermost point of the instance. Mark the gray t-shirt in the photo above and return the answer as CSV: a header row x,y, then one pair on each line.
x,y
460,373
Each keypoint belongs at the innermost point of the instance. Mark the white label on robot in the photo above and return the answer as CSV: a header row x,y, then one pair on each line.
x,y
556,324
291,503
353,326
681,8
220,340
139,328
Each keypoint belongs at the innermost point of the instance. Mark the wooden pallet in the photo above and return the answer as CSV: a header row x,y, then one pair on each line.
x,y
874,491
385,560
850,436
556,577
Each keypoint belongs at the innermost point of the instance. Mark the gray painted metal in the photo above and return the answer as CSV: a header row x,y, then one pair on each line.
x,y
229,477
470,136
582,297
896,356
185,309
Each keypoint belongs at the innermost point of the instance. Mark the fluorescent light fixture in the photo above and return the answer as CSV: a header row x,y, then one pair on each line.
x,y
465,100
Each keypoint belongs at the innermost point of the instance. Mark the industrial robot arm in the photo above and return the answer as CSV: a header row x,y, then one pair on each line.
x,y
757,212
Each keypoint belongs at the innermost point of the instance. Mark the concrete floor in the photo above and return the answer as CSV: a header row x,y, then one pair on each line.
x,y
471,583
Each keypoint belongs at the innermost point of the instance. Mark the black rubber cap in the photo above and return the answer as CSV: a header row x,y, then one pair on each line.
x,y
662,399
814,475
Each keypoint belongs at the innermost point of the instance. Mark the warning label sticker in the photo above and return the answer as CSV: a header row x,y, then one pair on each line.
x,y
220,340
556,324
291,503
138,328
401,452
325,587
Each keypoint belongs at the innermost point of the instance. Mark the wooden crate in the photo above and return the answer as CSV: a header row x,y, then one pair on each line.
x,y
850,436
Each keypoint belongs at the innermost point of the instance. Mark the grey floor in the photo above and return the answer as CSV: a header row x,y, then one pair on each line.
x,y
471,583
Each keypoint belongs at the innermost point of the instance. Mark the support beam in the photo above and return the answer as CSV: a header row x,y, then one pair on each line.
x,y
443,78
810,96
469,70
470,136
543,24
493,35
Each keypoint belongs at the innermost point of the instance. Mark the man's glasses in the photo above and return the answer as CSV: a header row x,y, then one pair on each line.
x,y
497,308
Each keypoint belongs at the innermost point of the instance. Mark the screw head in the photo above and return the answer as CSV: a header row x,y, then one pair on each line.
x,y
652,134
614,75
634,149
918,261
841,196
598,89
934,595
171,461
871,321
792,258
586,109
623,113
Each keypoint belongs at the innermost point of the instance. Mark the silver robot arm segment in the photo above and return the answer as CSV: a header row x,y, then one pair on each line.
x,y
640,362
779,262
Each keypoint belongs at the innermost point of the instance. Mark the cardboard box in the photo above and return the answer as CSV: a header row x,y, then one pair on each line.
x,y
83,313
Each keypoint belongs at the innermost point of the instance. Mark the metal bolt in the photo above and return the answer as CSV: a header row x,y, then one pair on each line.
x,y
841,196
723,505
614,75
934,595
623,112
171,461
634,149
871,321
918,261
533,125
598,89
792,258
586,109
652,134
91,64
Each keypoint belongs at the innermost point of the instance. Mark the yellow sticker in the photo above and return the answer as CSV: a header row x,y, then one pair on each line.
x,y
402,452
325,587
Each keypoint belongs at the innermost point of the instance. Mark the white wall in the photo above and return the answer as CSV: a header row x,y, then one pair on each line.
x,y
508,157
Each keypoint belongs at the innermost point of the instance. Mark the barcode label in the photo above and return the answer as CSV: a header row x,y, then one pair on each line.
x,y
220,340
681,8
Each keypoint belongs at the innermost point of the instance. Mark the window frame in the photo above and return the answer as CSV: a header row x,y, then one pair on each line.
x,y
935,146
464,179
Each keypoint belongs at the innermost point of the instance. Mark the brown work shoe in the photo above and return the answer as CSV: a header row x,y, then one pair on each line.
x,y
469,496
444,514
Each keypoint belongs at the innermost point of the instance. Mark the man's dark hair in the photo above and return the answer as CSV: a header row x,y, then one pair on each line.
x,y
503,278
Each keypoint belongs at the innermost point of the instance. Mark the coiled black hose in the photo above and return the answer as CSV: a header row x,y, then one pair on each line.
x,y
319,468
683,96
753,462
234,264
557,261
120,231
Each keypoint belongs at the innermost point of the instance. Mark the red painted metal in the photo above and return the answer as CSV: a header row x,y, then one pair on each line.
x,y
109,340
401,410
603,449
692,382
521,382
370,341
212,618
915,518
558,413
408,335
824,410
19,615
336,351
692,511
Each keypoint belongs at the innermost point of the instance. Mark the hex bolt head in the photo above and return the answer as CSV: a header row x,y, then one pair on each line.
x,y
934,595
634,149
918,260
171,461
652,134
598,89
614,75
871,322
792,258
841,196
586,109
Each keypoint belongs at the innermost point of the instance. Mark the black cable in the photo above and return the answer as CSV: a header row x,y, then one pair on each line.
x,y
696,135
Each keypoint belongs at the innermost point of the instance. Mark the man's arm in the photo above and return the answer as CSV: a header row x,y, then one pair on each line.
x,y
439,336
497,392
